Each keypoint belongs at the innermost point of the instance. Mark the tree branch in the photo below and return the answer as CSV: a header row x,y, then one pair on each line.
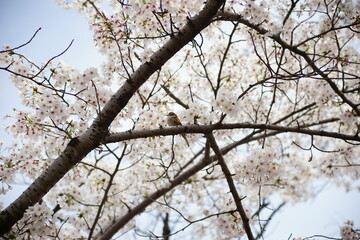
x,y
205,129
276,37
79,147
22,45
123,220
232,187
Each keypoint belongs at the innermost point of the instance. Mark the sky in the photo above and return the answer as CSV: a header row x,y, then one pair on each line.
x,y
19,19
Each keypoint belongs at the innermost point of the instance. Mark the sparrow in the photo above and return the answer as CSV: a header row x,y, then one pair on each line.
x,y
173,120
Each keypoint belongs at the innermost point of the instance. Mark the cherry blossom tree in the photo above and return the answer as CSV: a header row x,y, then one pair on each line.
x,y
267,93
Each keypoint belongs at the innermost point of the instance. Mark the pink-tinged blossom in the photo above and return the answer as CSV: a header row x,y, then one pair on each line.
x,y
340,163
38,222
348,232
228,69
261,167
229,223
226,102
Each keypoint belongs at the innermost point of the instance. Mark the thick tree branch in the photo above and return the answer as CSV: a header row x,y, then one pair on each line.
x,y
122,221
205,161
79,147
205,129
232,187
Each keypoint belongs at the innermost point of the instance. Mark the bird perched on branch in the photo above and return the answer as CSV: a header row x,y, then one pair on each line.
x,y
173,120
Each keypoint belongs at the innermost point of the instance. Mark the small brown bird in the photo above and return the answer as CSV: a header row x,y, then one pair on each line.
x,y
173,120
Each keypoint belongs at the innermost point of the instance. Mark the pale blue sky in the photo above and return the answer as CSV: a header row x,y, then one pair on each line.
x,y
19,19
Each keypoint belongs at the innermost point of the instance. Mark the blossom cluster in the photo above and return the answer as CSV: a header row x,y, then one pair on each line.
x,y
228,70
230,224
59,99
348,232
261,167
38,223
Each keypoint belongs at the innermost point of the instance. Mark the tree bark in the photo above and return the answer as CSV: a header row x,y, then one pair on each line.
x,y
79,147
